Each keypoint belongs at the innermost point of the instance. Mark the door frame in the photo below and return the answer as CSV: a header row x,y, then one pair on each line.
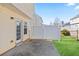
x,y
21,31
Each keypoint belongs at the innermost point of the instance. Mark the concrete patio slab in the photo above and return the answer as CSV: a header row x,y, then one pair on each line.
x,y
34,48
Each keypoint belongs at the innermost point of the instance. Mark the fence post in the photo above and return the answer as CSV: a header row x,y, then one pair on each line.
x,y
77,33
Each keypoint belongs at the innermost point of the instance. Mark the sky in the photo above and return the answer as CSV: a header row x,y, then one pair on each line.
x,y
50,11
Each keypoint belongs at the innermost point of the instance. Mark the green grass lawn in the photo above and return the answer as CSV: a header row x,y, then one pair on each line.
x,y
68,46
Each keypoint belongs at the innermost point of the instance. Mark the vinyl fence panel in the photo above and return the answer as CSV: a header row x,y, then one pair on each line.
x,y
45,32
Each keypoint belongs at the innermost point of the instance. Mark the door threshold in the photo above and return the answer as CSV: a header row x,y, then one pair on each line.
x,y
19,44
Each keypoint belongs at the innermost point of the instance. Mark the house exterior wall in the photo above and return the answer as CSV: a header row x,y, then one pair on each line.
x,y
8,26
7,32
74,27
36,27
74,21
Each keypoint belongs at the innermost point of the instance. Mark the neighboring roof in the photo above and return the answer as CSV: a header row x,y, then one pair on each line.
x,y
38,18
75,17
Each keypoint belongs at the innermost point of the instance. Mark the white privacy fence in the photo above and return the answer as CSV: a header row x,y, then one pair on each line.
x,y
45,32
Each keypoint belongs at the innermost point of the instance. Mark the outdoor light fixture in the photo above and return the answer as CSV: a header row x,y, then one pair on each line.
x,y
12,17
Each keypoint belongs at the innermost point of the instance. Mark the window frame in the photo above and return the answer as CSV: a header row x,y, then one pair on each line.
x,y
25,28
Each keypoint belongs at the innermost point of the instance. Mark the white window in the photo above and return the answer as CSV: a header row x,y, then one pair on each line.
x,y
25,28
